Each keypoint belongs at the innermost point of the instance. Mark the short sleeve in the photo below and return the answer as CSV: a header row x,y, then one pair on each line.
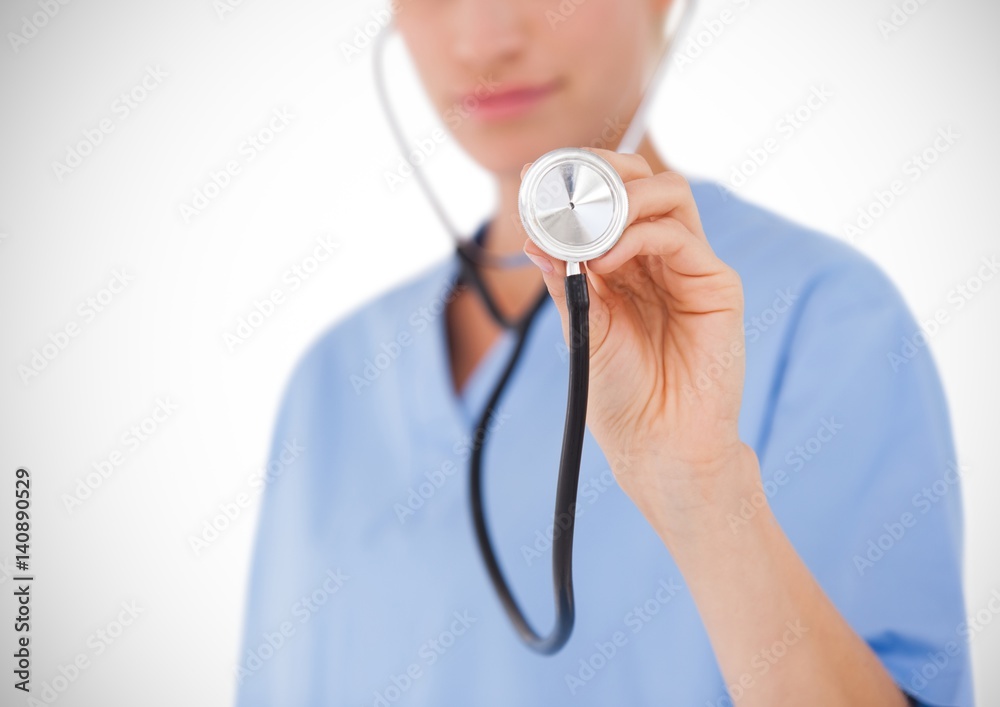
x,y
860,467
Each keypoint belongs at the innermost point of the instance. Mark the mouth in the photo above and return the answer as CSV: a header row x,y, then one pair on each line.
x,y
509,102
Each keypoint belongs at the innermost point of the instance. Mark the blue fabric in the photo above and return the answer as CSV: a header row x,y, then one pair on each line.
x,y
367,587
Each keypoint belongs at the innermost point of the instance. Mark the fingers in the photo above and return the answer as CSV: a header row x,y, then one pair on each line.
x,y
662,217
653,195
649,194
629,166
667,238
663,194
553,274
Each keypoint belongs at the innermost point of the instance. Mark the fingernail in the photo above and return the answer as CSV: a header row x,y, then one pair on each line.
x,y
543,263
525,168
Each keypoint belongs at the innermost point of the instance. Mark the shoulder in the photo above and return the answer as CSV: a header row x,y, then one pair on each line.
x,y
778,258
826,328
388,322
853,431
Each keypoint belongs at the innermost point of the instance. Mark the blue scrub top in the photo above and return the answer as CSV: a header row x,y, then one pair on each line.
x,y
367,587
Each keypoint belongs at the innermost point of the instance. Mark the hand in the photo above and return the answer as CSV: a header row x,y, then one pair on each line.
x,y
666,349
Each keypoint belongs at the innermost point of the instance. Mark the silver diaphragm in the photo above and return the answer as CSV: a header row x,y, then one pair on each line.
x,y
573,204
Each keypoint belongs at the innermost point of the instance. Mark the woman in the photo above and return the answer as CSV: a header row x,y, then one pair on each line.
x,y
769,509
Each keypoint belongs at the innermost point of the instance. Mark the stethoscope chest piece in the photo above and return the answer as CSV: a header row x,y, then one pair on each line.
x,y
573,204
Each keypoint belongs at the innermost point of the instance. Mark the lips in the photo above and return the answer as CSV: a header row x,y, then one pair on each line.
x,y
508,102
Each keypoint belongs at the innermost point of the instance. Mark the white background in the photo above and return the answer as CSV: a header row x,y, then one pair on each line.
x,y
324,174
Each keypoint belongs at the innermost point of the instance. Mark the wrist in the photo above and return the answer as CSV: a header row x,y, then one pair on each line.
x,y
709,503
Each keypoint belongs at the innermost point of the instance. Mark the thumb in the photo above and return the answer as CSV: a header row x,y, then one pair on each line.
x,y
554,274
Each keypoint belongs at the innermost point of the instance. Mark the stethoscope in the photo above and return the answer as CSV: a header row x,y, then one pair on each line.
x,y
574,206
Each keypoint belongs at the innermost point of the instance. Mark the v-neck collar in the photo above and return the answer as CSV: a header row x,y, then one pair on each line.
x,y
461,410
466,406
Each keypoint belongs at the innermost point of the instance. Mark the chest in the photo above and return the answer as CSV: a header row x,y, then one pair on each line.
x,y
471,333
420,619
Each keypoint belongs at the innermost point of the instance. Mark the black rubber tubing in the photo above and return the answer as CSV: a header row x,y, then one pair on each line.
x,y
578,306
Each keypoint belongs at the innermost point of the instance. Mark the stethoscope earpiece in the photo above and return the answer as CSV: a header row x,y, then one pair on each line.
x,y
573,204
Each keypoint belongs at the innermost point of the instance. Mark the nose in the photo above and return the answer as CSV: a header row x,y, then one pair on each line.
x,y
489,32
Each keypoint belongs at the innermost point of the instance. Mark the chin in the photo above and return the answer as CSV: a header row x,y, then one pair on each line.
x,y
508,147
